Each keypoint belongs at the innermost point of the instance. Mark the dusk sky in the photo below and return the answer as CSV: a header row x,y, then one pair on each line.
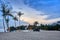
x,y
43,11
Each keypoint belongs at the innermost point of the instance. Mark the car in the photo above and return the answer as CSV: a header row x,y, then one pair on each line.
x,y
36,29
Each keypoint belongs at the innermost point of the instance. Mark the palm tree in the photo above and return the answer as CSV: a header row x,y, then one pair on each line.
x,y
4,17
4,25
6,13
15,19
19,14
7,18
36,28
7,22
35,23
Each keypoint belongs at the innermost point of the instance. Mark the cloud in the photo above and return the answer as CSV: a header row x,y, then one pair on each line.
x,y
53,20
50,7
30,13
30,16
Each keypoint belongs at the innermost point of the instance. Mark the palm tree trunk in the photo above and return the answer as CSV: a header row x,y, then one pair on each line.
x,y
19,21
15,23
7,23
4,25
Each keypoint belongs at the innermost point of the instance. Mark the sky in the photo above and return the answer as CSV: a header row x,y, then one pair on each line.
x,y
43,11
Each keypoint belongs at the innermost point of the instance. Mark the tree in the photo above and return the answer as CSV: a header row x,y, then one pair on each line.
x,y
12,28
4,25
4,17
36,28
19,14
15,19
35,23
6,13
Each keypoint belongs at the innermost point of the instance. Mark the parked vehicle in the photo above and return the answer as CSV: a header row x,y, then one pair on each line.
x,y
36,29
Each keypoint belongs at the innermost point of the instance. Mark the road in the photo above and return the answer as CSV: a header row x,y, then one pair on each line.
x,y
42,35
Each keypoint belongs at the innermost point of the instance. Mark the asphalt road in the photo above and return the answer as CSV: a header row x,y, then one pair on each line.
x,y
42,35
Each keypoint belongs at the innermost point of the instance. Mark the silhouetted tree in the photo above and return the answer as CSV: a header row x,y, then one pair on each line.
x,y
12,28
15,19
36,28
4,17
6,12
19,14
22,27
35,23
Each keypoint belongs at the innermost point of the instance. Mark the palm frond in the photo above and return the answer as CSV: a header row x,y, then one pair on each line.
x,y
19,13
15,18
